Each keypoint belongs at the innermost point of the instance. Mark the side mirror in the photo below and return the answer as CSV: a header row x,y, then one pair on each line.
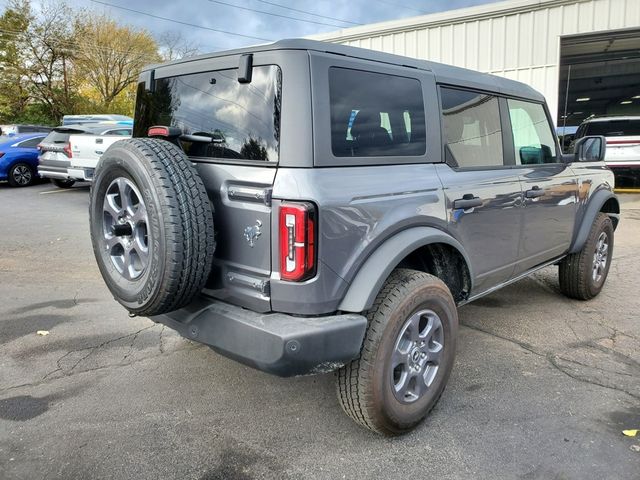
x,y
590,149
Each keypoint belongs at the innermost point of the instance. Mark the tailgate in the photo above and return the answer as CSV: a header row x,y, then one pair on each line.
x,y
241,197
623,151
87,149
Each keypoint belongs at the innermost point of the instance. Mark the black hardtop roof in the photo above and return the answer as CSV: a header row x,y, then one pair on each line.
x,y
444,73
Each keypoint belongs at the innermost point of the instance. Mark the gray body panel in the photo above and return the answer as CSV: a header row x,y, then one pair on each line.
x,y
372,212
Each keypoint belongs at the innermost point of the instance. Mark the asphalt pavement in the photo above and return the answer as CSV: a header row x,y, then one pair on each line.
x,y
542,386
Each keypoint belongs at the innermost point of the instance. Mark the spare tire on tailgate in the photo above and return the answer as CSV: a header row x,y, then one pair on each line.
x,y
151,226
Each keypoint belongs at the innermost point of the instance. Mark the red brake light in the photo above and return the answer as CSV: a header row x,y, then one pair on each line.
x,y
158,132
67,150
297,241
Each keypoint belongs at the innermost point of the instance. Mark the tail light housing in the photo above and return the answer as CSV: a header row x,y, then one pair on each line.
x,y
297,241
67,150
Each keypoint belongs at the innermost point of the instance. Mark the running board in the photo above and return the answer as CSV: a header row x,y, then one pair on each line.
x,y
513,280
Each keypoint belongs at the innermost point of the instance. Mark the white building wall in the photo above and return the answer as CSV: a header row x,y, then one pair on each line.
x,y
517,39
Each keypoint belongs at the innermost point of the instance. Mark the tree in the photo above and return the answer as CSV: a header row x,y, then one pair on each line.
x,y
13,96
173,46
110,57
43,55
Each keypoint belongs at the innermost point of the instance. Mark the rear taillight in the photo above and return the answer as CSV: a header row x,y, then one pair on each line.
x,y
67,150
297,241
158,131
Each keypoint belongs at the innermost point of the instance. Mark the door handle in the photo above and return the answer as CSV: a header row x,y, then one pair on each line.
x,y
535,192
467,201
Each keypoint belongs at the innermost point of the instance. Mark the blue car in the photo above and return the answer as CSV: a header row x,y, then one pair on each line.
x,y
19,158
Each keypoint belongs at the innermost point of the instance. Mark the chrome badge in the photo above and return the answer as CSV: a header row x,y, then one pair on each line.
x,y
252,233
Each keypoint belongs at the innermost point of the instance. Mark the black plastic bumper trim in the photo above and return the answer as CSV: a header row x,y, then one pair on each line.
x,y
276,343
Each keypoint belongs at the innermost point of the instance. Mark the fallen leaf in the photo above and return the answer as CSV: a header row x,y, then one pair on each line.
x,y
635,448
42,333
630,433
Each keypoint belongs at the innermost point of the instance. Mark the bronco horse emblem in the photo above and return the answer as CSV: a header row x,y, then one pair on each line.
x,y
251,233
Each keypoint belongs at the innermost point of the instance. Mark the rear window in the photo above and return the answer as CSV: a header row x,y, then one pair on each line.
x,y
241,119
59,137
375,114
612,128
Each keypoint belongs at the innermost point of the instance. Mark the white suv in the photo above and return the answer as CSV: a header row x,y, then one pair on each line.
x,y
623,142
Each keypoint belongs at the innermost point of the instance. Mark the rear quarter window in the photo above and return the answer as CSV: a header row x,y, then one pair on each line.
x,y
375,114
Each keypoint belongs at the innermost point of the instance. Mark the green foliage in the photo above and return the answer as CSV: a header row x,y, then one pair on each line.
x,y
55,60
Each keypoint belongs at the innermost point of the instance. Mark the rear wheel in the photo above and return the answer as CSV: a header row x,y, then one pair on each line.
x,y
21,175
407,355
151,226
63,183
583,274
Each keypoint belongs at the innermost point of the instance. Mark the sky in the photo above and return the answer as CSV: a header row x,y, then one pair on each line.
x,y
251,27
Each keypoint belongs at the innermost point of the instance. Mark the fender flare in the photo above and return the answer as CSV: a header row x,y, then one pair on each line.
x,y
365,286
591,211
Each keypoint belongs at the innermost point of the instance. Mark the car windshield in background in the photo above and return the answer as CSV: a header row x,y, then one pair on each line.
x,y
614,128
241,119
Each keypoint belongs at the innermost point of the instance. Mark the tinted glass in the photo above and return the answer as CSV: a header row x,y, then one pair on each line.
x,y
613,128
472,129
241,119
533,139
374,114
122,131
31,143
59,137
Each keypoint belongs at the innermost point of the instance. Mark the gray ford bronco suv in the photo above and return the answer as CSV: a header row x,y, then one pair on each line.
x,y
304,207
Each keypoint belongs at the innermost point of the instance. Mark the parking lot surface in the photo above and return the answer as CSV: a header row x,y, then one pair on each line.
x,y
541,389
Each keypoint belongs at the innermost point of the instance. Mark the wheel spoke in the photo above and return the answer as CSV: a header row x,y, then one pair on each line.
x,y
111,241
110,206
401,386
414,327
140,215
435,352
125,192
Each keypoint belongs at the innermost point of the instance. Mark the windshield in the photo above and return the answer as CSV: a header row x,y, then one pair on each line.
x,y
241,119
613,128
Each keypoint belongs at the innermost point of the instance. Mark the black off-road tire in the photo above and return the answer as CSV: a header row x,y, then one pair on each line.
x,y
576,270
364,387
63,183
21,175
179,225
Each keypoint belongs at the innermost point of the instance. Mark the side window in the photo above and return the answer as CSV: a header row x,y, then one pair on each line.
x,y
533,139
375,114
122,132
472,129
31,143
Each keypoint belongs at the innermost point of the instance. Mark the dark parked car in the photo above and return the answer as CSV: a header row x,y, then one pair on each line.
x,y
367,197
19,158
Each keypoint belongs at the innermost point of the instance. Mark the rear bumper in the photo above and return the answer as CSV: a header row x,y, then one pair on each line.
x,y
276,343
83,174
47,170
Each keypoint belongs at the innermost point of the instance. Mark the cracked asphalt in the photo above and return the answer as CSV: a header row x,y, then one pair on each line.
x,y
541,389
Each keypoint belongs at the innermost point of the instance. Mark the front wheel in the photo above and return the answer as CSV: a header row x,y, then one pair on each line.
x,y
407,355
582,274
